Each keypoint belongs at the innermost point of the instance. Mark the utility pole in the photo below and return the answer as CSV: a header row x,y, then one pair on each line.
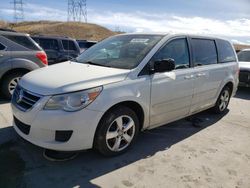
x,y
77,10
18,10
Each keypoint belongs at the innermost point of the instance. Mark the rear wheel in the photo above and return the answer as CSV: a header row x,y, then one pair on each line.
x,y
9,84
117,131
222,101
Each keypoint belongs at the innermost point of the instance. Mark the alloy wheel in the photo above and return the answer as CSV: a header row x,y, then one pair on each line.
x,y
12,85
120,133
224,99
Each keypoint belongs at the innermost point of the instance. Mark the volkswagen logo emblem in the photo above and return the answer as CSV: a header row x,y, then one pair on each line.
x,y
20,97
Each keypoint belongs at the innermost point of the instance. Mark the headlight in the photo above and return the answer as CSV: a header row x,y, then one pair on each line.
x,y
73,101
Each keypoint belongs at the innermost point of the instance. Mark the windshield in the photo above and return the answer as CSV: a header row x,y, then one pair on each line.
x,y
244,56
122,51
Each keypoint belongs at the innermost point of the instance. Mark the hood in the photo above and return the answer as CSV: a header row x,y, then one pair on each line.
x,y
70,77
244,65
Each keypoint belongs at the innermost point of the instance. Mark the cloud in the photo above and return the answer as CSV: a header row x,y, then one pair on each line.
x,y
166,23
235,41
39,12
138,21
143,22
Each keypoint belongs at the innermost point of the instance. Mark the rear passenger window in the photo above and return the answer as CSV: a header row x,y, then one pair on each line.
x,y
69,45
23,41
225,51
49,44
2,47
204,52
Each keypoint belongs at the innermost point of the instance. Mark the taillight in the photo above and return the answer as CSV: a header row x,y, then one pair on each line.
x,y
43,57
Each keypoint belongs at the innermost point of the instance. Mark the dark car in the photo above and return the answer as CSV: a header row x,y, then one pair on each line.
x,y
58,49
244,64
85,44
19,54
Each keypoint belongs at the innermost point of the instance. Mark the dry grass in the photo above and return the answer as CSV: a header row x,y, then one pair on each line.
x,y
71,29
239,47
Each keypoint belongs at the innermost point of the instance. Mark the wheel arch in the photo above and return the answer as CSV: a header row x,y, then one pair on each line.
x,y
11,71
230,85
135,106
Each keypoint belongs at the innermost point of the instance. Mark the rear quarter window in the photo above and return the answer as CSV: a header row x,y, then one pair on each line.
x,y
244,56
69,45
2,47
23,41
225,51
48,44
204,52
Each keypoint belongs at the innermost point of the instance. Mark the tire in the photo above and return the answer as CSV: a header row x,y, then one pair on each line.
x,y
222,101
117,131
9,83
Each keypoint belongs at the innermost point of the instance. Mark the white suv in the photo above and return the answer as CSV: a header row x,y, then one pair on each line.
x,y
123,85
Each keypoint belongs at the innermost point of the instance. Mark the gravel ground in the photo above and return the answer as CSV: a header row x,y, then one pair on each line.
x,y
215,154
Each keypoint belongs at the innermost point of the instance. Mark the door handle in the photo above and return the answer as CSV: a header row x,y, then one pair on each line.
x,y
200,74
188,77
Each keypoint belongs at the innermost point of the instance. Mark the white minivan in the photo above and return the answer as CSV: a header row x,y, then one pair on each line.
x,y
121,86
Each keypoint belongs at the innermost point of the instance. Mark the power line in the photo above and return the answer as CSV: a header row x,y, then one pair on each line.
x,y
77,10
18,10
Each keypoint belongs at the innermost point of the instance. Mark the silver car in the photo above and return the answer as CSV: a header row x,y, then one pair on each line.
x,y
19,54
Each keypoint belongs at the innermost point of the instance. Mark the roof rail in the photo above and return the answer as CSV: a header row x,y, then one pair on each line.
x,y
41,35
5,29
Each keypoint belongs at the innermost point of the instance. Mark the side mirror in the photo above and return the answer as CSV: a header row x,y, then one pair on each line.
x,y
164,65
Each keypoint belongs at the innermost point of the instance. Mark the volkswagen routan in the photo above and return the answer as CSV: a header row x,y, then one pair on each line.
x,y
121,86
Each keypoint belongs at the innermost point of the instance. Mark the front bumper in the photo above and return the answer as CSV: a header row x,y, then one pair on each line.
x,y
43,125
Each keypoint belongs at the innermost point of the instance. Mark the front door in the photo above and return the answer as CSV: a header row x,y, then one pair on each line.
x,y
171,92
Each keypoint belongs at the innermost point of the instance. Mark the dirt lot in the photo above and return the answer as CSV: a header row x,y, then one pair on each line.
x,y
216,154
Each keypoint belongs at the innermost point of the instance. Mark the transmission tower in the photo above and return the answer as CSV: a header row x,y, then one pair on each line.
x,y
18,10
77,10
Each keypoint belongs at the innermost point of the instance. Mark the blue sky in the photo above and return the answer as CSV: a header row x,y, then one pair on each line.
x,y
226,18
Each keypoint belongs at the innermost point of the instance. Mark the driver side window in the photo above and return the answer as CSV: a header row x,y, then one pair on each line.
x,y
177,50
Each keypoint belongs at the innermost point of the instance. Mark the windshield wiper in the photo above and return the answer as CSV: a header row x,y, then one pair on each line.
x,y
92,63
73,59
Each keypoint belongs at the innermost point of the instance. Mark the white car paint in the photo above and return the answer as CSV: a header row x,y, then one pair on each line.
x,y
164,97
69,77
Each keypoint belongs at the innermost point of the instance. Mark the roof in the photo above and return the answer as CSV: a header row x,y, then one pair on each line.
x,y
12,33
174,34
246,49
52,37
86,41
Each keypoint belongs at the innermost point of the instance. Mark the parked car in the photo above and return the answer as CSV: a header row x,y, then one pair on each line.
x,y
19,54
244,63
122,85
58,49
85,44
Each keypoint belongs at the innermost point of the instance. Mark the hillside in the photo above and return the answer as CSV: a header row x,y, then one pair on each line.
x,y
71,29
239,47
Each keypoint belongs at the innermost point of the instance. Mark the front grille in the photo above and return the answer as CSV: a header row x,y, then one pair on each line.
x,y
24,128
24,100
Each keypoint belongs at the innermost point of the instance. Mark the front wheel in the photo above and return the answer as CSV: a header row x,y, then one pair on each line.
x,y
9,84
222,101
117,131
